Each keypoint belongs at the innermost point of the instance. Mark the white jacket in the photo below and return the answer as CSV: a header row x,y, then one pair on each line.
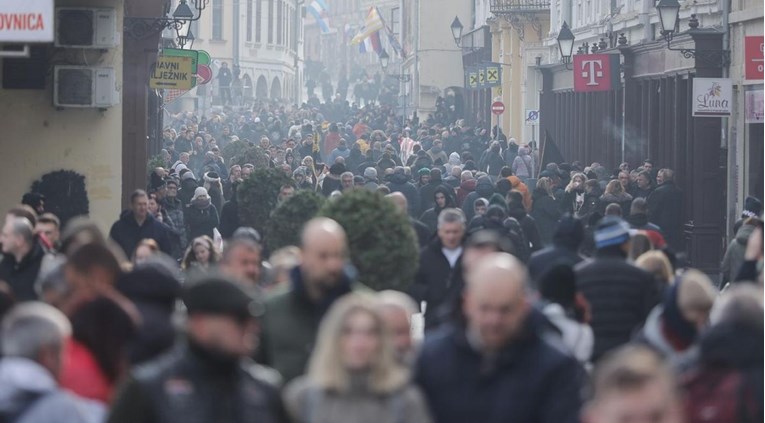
x,y
578,337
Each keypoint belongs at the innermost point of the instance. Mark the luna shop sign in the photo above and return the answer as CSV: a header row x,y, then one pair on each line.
x,y
712,97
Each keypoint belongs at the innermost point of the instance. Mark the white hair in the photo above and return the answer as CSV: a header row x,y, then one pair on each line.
x,y
30,327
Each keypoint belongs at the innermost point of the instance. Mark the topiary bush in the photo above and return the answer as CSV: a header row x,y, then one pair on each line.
x,y
381,241
289,217
253,155
155,162
65,194
256,196
233,149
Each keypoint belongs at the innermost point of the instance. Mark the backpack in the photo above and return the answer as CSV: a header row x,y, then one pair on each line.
x,y
719,396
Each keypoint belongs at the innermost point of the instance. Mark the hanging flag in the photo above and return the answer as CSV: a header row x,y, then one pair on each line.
x,y
376,43
372,24
366,46
318,8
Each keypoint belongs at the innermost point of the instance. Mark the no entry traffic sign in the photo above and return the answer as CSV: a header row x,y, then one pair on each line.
x,y
498,108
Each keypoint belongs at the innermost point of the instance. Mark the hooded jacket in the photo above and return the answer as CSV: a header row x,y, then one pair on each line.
x,y
518,185
546,213
624,201
523,165
430,217
466,187
484,188
30,394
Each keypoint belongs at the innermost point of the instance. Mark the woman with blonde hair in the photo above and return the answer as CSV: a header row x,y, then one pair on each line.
x,y
200,255
640,244
353,375
146,248
615,194
657,264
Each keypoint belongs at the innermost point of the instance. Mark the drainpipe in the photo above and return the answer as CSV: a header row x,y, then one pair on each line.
x,y
235,43
731,145
645,20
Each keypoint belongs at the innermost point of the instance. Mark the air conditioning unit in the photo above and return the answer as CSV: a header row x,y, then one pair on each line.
x,y
82,86
80,27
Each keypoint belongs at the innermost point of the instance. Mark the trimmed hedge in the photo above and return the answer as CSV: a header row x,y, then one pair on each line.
x,y
65,194
289,217
382,243
256,196
253,155
233,149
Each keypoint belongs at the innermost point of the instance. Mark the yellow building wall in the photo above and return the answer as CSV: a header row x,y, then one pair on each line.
x,y
36,138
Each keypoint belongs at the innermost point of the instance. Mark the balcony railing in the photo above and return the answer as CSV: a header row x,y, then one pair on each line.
x,y
499,7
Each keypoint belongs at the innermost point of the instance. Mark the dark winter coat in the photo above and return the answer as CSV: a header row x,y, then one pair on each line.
x,y
400,183
430,217
290,324
484,188
624,201
186,193
466,187
546,213
431,283
640,222
427,192
665,209
127,234
620,296
192,385
546,258
201,219
175,210
530,380
528,225
229,219
21,276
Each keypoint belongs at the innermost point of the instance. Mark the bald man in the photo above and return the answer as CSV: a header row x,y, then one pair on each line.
x,y
292,318
497,366
423,232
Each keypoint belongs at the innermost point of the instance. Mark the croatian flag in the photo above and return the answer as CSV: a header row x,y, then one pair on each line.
x,y
318,9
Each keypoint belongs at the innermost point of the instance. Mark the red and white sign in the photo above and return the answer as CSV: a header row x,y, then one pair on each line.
x,y
595,72
26,21
498,108
753,57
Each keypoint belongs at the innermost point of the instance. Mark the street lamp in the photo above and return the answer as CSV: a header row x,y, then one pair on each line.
x,y
384,60
566,43
669,13
142,27
456,28
186,42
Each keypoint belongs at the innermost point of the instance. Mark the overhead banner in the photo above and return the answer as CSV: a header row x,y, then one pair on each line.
x,y
712,97
596,72
26,21
754,107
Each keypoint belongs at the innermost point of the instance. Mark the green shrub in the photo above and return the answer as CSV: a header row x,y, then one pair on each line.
x,y
65,194
233,149
253,155
381,240
289,217
153,163
256,196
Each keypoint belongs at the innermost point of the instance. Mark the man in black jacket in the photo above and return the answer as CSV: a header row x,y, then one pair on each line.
x,y
208,377
620,295
23,257
567,239
400,183
437,263
665,208
136,224
498,366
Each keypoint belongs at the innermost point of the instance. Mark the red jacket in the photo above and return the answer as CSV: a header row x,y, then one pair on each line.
x,y
82,375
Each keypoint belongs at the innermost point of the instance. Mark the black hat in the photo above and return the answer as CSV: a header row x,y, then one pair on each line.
x,y
336,169
558,285
570,232
218,295
752,207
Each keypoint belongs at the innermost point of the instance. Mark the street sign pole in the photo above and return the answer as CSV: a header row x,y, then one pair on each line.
x,y
497,108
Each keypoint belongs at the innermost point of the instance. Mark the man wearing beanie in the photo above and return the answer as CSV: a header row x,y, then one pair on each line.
x,y
620,294
752,208
208,377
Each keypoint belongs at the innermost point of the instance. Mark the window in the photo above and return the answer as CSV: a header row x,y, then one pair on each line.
x,y
270,21
249,20
279,22
217,19
258,19
395,21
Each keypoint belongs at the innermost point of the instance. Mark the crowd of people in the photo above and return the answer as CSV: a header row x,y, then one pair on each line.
x,y
545,292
